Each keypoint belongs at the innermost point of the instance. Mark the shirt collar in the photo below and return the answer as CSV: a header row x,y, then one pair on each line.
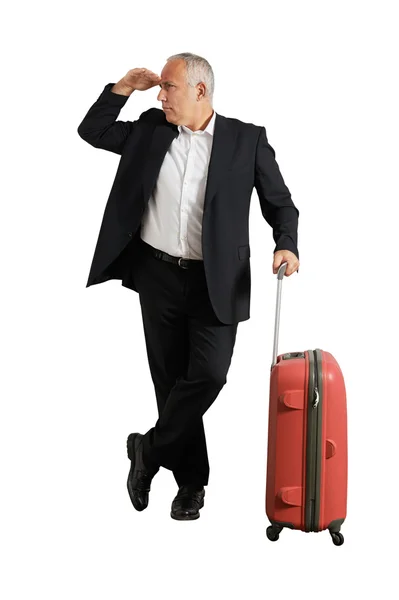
x,y
208,129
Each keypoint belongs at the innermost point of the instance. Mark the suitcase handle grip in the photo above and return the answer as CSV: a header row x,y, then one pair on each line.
x,y
280,275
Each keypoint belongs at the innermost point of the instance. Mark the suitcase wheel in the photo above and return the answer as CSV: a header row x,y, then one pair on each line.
x,y
273,533
337,538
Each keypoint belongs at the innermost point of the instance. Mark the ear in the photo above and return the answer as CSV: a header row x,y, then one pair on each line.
x,y
202,90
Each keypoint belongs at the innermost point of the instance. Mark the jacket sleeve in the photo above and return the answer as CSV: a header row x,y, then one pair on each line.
x,y
100,127
275,200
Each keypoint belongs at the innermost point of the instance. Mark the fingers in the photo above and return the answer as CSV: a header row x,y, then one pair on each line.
x,y
153,77
291,269
292,264
150,74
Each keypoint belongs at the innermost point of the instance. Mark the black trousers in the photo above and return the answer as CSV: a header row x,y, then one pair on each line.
x,y
189,353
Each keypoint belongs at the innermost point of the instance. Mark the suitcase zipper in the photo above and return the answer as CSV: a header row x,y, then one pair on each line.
x,y
315,407
316,397
313,451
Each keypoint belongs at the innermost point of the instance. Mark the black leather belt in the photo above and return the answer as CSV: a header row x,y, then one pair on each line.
x,y
184,263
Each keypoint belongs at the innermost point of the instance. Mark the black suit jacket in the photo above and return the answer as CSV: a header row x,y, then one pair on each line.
x,y
241,158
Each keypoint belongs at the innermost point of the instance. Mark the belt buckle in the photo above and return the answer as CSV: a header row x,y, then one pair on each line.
x,y
178,262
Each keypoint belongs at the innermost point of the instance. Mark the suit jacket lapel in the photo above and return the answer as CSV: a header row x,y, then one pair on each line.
x,y
222,151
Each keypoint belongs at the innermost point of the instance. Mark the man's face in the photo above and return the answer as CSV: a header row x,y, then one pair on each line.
x,y
178,99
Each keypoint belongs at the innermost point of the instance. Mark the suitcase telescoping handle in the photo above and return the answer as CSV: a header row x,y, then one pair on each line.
x,y
280,275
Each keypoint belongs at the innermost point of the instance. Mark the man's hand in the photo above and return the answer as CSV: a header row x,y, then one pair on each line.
x,y
282,256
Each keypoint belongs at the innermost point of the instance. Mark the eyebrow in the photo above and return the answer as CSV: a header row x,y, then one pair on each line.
x,y
161,84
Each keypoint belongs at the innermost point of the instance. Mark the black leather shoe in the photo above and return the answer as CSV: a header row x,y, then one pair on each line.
x,y
186,505
139,478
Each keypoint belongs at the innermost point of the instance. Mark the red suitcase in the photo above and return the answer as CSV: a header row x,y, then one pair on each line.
x,y
307,455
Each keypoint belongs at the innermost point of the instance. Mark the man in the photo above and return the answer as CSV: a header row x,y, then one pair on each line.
x,y
175,230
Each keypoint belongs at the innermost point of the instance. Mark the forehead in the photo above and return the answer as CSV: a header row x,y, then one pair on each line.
x,y
172,72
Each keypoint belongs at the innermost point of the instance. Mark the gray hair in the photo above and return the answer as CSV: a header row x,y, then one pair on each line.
x,y
198,70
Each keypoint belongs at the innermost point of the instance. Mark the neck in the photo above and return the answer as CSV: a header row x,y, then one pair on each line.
x,y
201,122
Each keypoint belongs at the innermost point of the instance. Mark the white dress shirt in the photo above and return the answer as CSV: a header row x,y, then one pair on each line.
x,y
172,221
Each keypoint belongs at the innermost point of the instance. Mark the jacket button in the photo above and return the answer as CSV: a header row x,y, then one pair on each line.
x,y
130,233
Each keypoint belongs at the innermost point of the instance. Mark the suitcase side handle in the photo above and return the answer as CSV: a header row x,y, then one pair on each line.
x,y
280,275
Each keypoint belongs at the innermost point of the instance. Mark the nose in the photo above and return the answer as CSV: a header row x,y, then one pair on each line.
x,y
161,95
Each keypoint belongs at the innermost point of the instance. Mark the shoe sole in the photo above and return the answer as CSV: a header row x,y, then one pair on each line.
x,y
187,517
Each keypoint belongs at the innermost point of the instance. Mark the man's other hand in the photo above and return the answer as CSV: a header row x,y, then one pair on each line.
x,y
282,256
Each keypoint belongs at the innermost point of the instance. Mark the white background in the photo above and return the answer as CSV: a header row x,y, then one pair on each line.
x,y
321,77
